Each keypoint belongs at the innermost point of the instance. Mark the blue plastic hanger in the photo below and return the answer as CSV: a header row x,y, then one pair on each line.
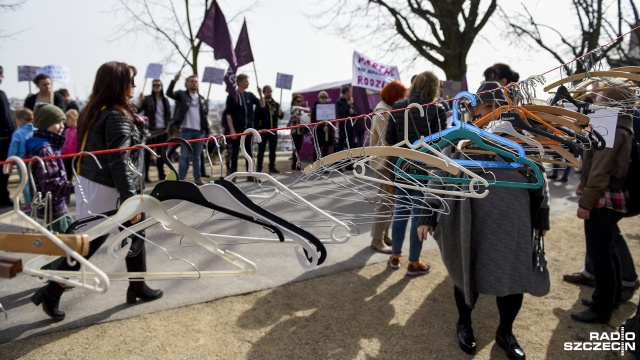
x,y
462,131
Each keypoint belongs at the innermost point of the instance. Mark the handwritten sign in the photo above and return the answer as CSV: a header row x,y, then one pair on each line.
x,y
370,74
55,72
213,75
325,111
284,81
154,71
604,120
27,73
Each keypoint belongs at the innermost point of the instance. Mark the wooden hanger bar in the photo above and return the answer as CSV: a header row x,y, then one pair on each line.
x,y
384,151
40,244
603,73
559,120
631,69
581,119
9,267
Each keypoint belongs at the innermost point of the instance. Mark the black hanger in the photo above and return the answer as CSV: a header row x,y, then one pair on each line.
x,y
242,198
563,94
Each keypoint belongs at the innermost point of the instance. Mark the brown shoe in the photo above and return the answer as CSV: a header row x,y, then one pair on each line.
x,y
387,241
198,182
579,278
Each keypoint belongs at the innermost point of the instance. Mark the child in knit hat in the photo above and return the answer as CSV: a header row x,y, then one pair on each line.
x,y
47,140
18,145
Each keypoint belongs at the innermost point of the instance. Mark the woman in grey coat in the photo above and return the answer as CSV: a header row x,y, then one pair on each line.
x,y
487,246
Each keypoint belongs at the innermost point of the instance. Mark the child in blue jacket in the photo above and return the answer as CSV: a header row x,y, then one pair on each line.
x,y
18,145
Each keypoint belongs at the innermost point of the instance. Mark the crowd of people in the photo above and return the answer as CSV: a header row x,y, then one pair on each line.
x,y
484,256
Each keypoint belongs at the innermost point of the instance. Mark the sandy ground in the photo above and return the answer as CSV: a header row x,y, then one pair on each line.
x,y
371,312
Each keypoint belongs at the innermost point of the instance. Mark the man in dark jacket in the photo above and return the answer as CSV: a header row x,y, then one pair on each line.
x,y
7,126
267,118
156,108
240,111
190,116
345,109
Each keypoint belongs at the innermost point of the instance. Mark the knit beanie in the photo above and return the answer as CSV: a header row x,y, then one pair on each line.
x,y
46,115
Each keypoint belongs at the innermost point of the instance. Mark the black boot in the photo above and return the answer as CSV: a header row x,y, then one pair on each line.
x,y
49,296
140,290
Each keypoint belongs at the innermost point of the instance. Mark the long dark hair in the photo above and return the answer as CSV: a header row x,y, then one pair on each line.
x,y
111,90
161,87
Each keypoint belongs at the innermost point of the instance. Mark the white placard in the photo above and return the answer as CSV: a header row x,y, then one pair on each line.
x,y
27,73
55,72
154,71
325,111
284,81
604,120
370,74
213,75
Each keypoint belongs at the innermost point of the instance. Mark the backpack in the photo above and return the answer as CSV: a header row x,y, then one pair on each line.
x,y
632,182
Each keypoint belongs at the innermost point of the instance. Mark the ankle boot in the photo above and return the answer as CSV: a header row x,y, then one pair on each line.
x,y
49,296
140,290
379,246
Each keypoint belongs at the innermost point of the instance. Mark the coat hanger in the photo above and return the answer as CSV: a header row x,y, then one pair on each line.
x,y
94,279
281,188
598,73
461,131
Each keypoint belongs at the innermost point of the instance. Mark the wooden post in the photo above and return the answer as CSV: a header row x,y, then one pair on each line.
x,y
208,91
144,85
280,97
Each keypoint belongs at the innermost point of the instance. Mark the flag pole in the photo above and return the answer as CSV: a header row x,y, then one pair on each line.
x,y
256,72
280,96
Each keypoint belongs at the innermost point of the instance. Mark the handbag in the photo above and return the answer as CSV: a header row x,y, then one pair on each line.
x,y
541,283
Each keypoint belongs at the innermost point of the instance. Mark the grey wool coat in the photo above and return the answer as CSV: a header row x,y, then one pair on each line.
x,y
486,244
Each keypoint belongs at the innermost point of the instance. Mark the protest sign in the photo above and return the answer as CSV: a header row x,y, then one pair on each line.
x,y
154,71
55,72
325,111
213,75
284,81
27,73
370,74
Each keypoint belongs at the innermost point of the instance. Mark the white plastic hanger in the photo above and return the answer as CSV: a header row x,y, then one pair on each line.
x,y
91,277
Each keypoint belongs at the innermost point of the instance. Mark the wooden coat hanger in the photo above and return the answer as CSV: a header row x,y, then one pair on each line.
x,y
597,73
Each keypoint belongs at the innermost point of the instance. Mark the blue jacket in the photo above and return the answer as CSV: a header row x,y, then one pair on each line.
x,y
18,145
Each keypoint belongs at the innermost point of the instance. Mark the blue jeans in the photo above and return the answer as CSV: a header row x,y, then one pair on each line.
x,y
183,163
401,214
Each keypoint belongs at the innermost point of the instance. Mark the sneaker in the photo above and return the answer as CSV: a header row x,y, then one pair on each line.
x,y
418,269
274,170
579,278
394,262
552,177
198,182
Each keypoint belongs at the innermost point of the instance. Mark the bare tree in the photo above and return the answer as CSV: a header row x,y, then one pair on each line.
x,y
627,54
599,22
6,6
172,24
441,31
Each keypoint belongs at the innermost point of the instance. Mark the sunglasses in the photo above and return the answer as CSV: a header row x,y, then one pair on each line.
x,y
323,97
133,83
157,85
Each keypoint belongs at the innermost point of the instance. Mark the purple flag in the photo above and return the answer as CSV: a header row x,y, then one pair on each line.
x,y
215,33
244,55
230,80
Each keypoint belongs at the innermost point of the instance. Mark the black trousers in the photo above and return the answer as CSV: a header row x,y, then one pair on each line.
x,y
346,132
158,139
599,230
235,152
272,140
297,145
4,178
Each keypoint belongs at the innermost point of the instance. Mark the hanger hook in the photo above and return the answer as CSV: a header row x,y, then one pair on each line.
x,y
242,148
23,181
165,155
406,125
215,140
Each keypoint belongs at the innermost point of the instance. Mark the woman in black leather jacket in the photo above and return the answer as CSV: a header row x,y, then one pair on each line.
x,y
107,122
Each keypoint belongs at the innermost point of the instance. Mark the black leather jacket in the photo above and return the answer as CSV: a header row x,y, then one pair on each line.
x,y
113,130
436,120
149,108
182,99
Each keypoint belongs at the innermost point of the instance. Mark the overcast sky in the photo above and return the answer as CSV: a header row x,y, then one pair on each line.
x,y
74,33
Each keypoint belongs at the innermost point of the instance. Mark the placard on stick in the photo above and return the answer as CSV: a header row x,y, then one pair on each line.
x,y
27,73
325,111
213,75
55,72
284,81
154,71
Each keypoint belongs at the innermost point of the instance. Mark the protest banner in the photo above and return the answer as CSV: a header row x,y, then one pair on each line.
x,y
325,111
213,75
27,73
154,71
370,74
283,81
55,72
